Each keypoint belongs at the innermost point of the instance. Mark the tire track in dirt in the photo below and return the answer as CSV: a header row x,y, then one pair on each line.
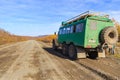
x,y
98,71
71,68
104,75
107,67
48,70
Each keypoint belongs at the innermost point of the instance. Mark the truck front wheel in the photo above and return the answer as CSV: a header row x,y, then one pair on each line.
x,y
64,49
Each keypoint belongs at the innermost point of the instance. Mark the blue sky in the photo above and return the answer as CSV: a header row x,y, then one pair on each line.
x,y
41,17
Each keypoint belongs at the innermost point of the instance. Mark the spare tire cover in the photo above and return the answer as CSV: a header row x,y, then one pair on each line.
x,y
109,35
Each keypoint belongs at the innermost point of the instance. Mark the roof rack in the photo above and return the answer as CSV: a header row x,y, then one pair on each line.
x,y
84,15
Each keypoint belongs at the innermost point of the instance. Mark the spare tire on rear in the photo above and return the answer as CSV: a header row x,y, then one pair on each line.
x,y
109,35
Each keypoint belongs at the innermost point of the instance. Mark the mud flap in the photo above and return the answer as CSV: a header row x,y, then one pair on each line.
x,y
101,54
81,53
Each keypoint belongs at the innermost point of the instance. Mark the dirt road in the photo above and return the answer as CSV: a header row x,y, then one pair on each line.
x,y
32,60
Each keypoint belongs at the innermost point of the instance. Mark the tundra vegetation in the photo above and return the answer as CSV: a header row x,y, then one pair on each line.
x,y
6,37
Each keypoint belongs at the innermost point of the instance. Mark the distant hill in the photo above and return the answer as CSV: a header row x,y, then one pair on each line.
x,y
4,33
6,37
42,36
46,38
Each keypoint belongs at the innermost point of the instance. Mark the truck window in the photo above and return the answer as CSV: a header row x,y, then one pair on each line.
x,y
71,29
60,31
74,28
64,30
79,27
68,30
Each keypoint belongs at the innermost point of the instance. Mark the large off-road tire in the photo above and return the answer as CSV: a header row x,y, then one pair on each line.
x,y
54,46
109,35
65,49
72,52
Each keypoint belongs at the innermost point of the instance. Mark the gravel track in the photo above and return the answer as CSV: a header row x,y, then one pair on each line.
x,y
32,60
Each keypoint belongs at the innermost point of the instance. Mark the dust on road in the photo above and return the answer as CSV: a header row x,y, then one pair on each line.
x,y
32,60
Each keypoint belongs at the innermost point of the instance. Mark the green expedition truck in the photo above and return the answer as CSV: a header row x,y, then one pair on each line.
x,y
88,34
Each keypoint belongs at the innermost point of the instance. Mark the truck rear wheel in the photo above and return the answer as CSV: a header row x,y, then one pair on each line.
x,y
93,54
72,52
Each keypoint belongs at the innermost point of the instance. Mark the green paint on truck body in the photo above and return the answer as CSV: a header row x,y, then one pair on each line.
x,y
84,32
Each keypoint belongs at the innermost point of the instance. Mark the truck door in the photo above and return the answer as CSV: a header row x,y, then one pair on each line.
x,y
92,36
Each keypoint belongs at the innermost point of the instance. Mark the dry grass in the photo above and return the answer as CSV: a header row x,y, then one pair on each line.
x,y
6,37
118,28
117,55
47,39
